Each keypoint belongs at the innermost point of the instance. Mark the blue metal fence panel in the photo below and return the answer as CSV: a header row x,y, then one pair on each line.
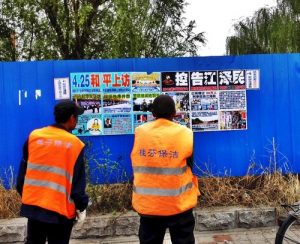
x,y
294,78
273,113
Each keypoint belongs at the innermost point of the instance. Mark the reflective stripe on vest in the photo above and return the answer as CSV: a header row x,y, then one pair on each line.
x,y
49,184
162,192
50,169
159,171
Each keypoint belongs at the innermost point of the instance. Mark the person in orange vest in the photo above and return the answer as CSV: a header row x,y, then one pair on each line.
x,y
51,178
164,188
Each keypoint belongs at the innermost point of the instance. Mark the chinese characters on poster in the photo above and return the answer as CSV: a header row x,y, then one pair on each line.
x,y
117,102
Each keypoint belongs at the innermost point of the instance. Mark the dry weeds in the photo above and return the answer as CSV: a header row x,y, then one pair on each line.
x,y
251,191
109,198
10,203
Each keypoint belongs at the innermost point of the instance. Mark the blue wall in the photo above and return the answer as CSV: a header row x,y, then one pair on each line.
x,y
273,112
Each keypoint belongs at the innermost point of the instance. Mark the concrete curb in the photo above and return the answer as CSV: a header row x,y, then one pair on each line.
x,y
126,224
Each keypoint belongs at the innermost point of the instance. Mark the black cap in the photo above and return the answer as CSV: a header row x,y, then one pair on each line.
x,y
163,107
65,108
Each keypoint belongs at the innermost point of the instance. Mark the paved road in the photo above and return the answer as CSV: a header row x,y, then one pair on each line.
x,y
264,235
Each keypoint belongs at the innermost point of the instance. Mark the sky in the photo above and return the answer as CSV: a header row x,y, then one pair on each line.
x,y
217,17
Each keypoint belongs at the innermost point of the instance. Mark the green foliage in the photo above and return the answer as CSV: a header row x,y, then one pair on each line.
x,y
87,29
152,29
270,30
6,42
109,198
102,167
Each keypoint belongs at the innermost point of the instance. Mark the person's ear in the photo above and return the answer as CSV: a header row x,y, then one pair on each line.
x,y
73,116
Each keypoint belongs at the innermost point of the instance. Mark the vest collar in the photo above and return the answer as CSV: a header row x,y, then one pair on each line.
x,y
59,127
164,121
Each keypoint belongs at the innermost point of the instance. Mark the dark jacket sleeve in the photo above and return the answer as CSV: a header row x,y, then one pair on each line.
x,y
78,194
22,169
190,161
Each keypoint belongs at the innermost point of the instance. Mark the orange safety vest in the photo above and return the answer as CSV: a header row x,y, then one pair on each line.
x,y
52,154
163,183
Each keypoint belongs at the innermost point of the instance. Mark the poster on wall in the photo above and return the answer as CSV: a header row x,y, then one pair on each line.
x,y
204,100
142,82
141,118
115,124
235,99
252,79
117,102
183,118
142,102
85,82
175,81
203,80
89,125
231,79
90,102
181,100
61,88
116,82
233,120
86,91
142,108
233,113
205,121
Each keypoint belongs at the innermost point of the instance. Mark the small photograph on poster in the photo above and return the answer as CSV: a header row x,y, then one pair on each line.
x,y
142,102
204,100
232,99
88,125
175,81
233,120
143,82
91,103
142,118
205,121
231,79
116,124
107,123
116,82
182,118
203,80
116,103
181,100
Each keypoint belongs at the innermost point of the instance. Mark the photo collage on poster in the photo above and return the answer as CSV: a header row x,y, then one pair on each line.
x,y
117,102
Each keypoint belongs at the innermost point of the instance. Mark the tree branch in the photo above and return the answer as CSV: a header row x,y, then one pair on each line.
x,y
51,12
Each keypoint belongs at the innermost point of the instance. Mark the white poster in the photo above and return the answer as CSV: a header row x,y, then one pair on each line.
x,y
252,79
61,88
